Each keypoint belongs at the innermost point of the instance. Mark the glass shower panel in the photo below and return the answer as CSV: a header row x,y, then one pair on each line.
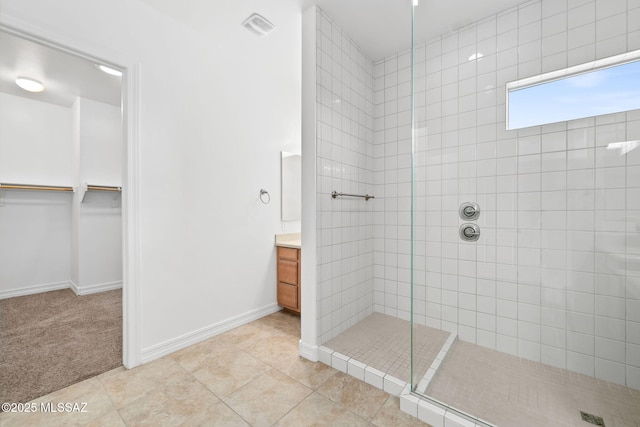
x,y
545,302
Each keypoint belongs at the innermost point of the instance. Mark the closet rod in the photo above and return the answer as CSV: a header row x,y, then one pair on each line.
x,y
34,187
102,188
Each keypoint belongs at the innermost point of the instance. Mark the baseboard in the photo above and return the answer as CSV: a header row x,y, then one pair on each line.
x,y
94,289
35,289
309,352
170,346
74,287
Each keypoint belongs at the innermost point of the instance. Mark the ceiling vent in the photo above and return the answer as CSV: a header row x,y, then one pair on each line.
x,y
258,25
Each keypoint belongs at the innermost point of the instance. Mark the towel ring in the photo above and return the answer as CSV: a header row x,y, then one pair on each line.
x,y
264,192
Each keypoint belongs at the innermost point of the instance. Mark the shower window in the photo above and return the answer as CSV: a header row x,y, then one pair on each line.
x,y
605,86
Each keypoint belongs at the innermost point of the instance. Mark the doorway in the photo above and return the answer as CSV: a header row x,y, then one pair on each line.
x,y
84,210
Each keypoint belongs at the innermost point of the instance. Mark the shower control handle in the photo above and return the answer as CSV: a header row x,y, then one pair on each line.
x,y
469,211
469,232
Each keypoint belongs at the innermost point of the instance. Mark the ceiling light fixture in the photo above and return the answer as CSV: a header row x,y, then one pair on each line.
x,y
29,85
475,56
109,70
415,2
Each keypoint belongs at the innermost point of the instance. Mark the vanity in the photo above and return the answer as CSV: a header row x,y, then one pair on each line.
x,y
288,275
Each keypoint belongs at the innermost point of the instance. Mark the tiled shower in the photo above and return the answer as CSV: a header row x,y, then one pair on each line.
x,y
555,275
345,163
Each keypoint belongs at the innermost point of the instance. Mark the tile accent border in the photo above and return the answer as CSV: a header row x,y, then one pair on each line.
x,y
427,411
359,370
428,376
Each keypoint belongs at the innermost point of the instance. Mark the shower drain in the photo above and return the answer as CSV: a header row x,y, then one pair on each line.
x,y
592,419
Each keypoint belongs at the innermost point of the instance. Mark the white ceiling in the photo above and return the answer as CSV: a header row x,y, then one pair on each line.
x,y
379,27
65,76
383,27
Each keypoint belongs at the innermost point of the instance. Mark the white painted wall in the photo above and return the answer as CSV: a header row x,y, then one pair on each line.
x,y
216,108
35,234
75,206
99,218
52,240
100,143
309,274
34,142
35,226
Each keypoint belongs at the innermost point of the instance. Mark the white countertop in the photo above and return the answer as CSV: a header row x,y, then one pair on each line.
x,y
289,240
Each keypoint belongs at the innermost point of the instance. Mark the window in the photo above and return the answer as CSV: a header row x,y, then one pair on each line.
x,y
601,87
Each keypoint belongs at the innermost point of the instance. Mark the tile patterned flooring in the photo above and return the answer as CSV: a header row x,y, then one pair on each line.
x,y
502,389
510,391
384,342
251,375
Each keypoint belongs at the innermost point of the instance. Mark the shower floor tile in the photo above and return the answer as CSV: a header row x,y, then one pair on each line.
x,y
510,391
384,342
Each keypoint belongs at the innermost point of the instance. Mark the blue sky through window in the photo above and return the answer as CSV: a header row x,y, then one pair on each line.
x,y
603,91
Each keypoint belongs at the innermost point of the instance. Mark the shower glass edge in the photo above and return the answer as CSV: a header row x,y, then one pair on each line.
x,y
413,374
418,224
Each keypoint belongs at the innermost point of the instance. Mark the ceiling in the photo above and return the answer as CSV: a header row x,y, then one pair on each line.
x,y
64,75
380,27
383,27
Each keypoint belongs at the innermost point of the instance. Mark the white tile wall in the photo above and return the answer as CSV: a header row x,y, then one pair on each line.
x,y
555,276
345,162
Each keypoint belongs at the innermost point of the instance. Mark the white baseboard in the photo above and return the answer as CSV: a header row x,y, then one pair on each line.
x,y
309,352
170,346
35,289
56,286
94,289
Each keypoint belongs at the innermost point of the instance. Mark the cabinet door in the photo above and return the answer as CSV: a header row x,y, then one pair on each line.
x,y
288,296
288,253
288,271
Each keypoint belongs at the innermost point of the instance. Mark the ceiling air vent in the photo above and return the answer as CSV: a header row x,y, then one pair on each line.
x,y
258,25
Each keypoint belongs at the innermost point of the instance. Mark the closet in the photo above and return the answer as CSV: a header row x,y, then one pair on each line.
x,y
60,171
60,219
60,204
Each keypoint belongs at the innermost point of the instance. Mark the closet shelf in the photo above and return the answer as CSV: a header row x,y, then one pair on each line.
x,y
34,187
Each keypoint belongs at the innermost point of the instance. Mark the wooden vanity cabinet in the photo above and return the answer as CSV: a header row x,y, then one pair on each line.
x,y
289,278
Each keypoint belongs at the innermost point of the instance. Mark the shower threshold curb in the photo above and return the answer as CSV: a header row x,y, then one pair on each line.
x,y
429,411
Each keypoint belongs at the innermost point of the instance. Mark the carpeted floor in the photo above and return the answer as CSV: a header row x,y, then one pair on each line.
x,y
54,339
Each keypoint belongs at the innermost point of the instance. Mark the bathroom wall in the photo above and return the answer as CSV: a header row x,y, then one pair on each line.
x,y
555,275
216,106
392,166
344,153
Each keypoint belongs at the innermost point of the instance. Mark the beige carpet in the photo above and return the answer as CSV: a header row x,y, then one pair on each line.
x,y
54,339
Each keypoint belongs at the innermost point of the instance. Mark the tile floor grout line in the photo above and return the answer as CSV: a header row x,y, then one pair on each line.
x,y
220,399
380,408
113,404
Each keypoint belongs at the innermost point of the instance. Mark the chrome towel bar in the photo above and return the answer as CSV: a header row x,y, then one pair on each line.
x,y
366,197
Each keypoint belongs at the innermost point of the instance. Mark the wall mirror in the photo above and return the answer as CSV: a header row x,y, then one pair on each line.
x,y
291,178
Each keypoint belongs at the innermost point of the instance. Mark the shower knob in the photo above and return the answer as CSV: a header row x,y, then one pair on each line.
x,y
469,232
469,211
